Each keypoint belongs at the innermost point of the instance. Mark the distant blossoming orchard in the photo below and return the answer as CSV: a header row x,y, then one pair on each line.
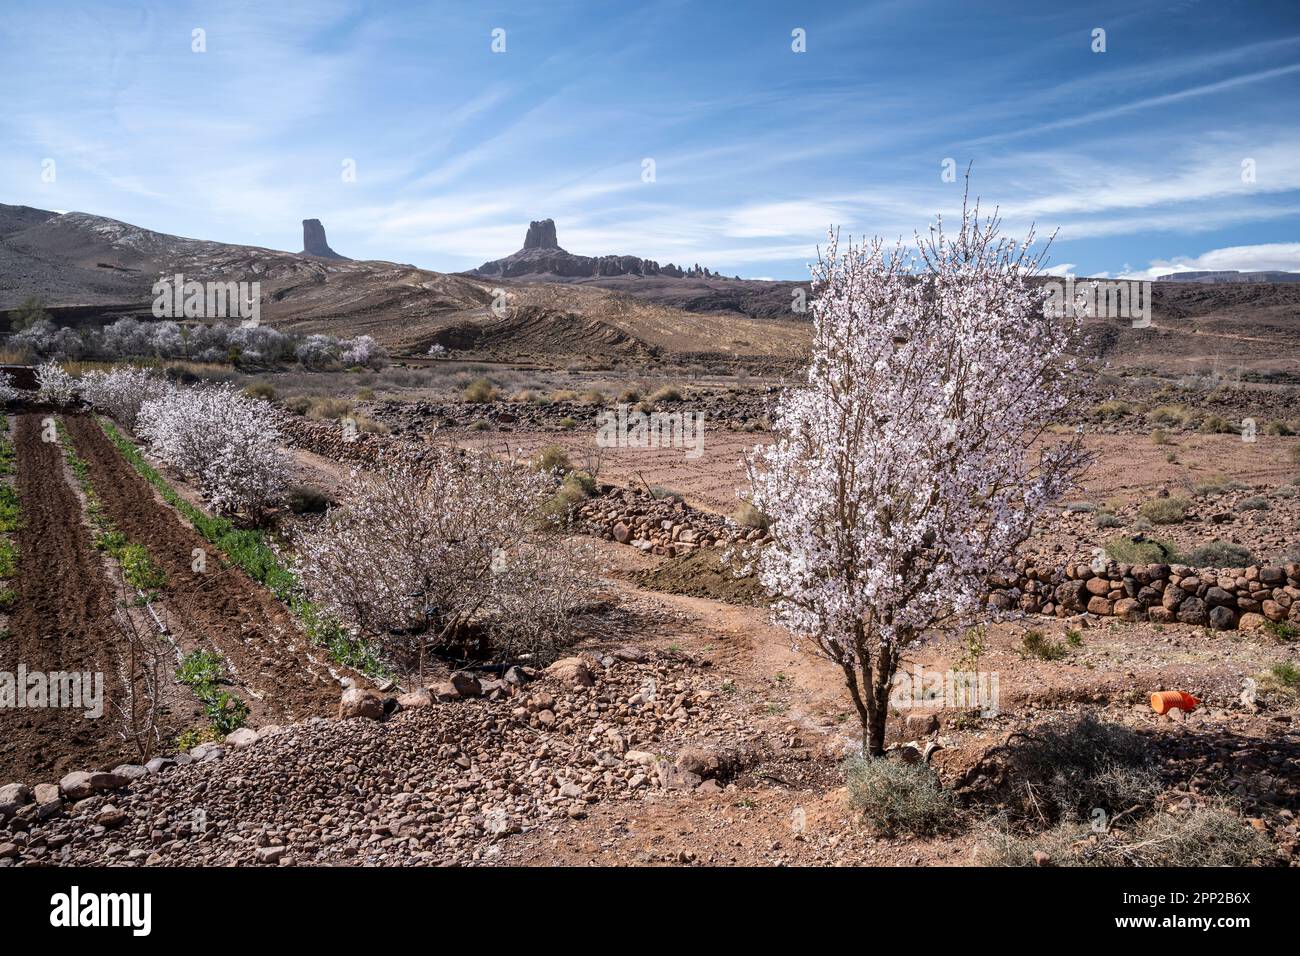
x,y
907,467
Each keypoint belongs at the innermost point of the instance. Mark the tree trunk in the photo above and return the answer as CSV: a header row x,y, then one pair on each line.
x,y
873,736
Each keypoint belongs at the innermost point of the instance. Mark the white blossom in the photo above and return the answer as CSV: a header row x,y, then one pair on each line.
x,y
54,385
906,468
227,442
422,551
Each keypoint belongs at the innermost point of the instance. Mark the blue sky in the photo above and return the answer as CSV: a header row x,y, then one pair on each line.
x,y
1135,154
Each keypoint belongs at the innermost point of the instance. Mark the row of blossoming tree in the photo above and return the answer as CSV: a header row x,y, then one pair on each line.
x,y
453,553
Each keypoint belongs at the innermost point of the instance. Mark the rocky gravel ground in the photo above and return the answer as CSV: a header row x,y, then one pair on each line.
x,y
1262,517
438,782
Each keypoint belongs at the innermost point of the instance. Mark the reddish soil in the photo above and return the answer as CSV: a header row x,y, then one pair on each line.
x,y
62,621
279,674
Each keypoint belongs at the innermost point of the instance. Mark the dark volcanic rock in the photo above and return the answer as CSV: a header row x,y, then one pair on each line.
x,y
313,241
541,235
542,256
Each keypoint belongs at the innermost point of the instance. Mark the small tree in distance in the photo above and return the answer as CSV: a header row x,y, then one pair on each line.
x,y
904,471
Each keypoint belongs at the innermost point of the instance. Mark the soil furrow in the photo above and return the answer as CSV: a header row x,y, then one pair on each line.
x,y
220,607
62,621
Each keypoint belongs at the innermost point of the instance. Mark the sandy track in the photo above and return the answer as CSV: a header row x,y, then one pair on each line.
x,y
62,621
220,608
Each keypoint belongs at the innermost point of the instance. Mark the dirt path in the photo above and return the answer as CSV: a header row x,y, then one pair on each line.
x,y
280,675
62,621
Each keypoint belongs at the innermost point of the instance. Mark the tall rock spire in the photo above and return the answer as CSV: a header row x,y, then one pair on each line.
x,y
313,241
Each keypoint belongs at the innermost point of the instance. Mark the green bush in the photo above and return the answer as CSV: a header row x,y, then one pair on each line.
x,y
200,667
1108,520
1141,549
1254,503
139,569
1164,510
1219,554
203,671
1286,674
10,510
554,459
1035,643
896,797
114,542
1282,630
8,558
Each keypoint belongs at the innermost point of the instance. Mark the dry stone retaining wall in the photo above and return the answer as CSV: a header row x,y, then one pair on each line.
x,y
1223,599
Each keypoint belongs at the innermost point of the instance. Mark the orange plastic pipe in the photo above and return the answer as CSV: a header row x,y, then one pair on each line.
x,y
1163,700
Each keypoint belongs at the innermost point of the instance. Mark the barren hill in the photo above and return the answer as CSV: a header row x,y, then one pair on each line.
x,y
77,259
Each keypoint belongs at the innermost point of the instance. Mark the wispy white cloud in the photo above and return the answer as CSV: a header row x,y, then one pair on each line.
x,y
1266,257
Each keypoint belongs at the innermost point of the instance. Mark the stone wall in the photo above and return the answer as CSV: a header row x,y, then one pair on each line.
x,y
1222,599
664,526
365,449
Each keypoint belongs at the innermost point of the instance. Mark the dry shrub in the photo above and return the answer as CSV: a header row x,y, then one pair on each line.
x,y
554,459
480,390
1220,554
1141,549
1204,836
1064,772
896,797
262,390
747,516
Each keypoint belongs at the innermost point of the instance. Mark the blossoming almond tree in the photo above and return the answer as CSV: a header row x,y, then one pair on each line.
x,y
908,467
420,549
227,441
54,385
121,392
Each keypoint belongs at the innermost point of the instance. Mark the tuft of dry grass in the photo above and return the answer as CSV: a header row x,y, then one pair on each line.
x,y
480,390
1164,510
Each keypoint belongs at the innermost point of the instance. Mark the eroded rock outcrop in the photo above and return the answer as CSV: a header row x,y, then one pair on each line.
x,y
542,255
313,241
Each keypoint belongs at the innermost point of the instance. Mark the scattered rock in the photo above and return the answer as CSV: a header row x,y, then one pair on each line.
x,y
358,702
571,670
